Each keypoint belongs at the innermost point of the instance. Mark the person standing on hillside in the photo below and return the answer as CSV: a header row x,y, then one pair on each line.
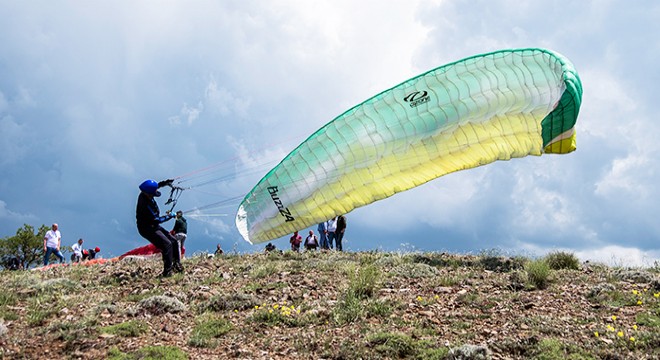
x,y
332,228
311,241
339,233
52,242
218,250
180,231
295,241
148,221
323,234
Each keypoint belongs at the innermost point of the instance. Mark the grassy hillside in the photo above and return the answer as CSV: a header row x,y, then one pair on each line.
x,y
334,306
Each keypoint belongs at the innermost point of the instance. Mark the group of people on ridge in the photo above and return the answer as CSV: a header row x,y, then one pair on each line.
x,y
80,254
53,243
329,231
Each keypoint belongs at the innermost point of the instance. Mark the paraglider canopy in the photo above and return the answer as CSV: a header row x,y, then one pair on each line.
x,y
496,106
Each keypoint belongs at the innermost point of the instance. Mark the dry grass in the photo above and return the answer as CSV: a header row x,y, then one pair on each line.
x,y
333,306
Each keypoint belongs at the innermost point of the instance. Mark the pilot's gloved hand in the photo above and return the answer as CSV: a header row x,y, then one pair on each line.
x,y
167,182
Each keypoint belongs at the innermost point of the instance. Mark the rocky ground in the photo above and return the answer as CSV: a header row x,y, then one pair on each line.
x,y
368,305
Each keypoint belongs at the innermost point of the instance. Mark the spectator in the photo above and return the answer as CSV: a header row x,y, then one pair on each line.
x,y
180,231
269,247
52,242
90,254
77,248
295,241
218,250
332,228
339,234
323,234
12,262
311,241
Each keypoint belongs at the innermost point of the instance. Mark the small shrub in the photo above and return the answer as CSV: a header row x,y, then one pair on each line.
x,y
161,353
448,280
518,280
7,298
553,349
379,308
162,304
562,260
468,351
415,270
501,263
392,345
207,331
126,329
265,270
538,273
41,308
279,315
649,320
56,285
348,309
363,284
237,301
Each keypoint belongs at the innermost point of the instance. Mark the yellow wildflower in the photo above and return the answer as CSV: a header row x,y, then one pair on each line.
x,y
657,295
613,317
270,311
419,298
635,327
619,334
639,302
635,292
610,328
275,306
632,338
596,333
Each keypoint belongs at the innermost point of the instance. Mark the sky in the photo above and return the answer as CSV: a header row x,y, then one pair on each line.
x,y
97,96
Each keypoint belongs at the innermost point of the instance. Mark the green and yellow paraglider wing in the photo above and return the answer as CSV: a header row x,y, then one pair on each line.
x,y
496,106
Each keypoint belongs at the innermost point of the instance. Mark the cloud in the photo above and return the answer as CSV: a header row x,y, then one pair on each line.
x,y
612,255
615,255
224,102
3,103
13,142
188,114
13,216
96,98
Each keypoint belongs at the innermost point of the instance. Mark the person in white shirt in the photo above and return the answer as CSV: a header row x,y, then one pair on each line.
x,y
77,251
332,227
311,241
52,242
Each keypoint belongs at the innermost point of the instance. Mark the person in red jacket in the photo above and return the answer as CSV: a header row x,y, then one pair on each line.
x,y
90,254
295,241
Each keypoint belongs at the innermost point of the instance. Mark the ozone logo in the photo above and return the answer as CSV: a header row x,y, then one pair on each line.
x,y
417,98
